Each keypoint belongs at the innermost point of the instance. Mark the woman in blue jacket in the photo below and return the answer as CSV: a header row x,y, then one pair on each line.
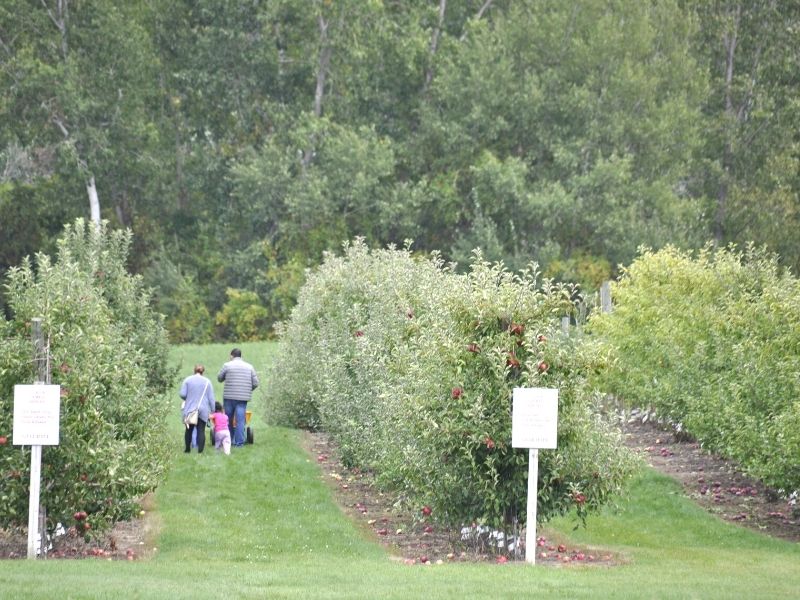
x,y
198,395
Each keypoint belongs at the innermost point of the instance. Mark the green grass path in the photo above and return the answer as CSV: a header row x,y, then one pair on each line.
x,y
261,523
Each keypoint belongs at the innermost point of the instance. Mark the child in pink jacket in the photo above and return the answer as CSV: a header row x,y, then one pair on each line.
x,y
222,435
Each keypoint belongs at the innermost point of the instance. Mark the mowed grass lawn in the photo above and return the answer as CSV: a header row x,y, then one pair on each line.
x,y
261,524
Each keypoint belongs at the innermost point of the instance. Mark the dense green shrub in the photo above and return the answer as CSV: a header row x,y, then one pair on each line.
x,y
107,350
178,297
243,317
712,342
411,368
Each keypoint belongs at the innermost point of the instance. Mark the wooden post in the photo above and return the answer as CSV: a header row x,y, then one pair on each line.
x,y
42,377
42,366
605,297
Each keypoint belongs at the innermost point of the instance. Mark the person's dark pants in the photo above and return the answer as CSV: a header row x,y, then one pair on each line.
x,y
201,436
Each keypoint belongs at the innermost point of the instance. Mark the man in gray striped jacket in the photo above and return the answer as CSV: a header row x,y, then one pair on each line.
x,y
240,380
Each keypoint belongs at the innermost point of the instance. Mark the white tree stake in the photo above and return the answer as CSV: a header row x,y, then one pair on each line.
x,y
533,491
33,502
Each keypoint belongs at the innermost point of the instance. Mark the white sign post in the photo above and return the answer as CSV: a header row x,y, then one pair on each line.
x,y
36,420
534,425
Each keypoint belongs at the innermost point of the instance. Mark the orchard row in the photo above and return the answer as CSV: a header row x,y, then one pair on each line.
x,y
411,367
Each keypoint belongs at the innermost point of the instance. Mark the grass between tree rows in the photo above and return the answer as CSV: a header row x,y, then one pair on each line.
x,y
261,524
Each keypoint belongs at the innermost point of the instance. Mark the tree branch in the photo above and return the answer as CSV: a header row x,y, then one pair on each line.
x,y
483,9
60,124
5,46
60,21
51,15
477,17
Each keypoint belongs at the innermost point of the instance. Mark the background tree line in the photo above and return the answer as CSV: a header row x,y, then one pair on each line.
x,y
240,140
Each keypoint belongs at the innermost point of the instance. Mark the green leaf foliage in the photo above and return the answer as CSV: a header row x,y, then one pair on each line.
x,y
712,342
108,352
411,368
244,139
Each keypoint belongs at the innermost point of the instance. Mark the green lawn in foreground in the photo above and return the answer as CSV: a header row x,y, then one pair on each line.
x,y
260,524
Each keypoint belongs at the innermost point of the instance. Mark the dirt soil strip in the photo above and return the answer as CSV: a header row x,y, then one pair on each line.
x,y
412,537
716,484
128,540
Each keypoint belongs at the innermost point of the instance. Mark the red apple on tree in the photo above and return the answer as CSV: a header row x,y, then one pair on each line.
x,y
3,440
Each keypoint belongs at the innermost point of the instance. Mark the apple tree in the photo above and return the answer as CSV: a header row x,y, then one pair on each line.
x,y
710,341
410,366
107,351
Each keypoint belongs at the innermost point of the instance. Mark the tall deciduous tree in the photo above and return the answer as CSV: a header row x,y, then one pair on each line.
x,y
598,103
78,82
750,164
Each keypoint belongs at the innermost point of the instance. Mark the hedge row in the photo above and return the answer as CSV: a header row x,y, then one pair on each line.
x,y
411,368
107,351
712,342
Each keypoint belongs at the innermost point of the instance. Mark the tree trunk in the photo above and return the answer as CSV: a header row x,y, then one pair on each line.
x,y
94,202
729,41
59,19
437,31
323,64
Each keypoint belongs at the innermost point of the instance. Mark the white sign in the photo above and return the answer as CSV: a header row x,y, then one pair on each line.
x,y
534,418
36,415
534,425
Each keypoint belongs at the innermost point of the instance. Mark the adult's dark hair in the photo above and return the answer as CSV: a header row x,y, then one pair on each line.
x,y
199,369
236,353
